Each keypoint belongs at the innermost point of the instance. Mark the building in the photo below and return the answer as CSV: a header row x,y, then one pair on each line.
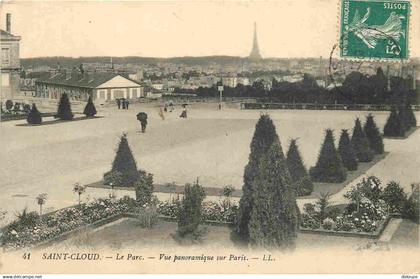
x,y
10,62
27,82
230,81
101,86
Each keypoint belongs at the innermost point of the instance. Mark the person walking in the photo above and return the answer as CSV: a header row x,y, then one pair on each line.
x,y
119,103
126,103
123,103
142,117
184,112
161,113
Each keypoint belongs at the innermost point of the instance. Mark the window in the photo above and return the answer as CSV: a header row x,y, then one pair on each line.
x,y
5,56
5,77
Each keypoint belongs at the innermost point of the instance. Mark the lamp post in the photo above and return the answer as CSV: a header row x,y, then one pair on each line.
x,y
220,89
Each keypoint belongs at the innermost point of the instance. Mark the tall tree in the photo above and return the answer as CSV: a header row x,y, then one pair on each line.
x,y
298,173
329,167
360,143
373,135
125,163
90,109
274,217
64,108
264,136
346,151
394,126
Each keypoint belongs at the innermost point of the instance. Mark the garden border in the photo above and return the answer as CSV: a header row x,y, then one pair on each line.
x,y
12,117
312,106
375,235
57,121
406,136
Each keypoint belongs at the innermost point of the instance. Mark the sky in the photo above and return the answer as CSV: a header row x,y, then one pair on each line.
x,y
299,28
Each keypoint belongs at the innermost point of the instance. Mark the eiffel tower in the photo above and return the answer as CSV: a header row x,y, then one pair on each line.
x,y
255,52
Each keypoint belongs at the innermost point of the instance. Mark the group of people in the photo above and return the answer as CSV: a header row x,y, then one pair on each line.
x,y
122,103
142,116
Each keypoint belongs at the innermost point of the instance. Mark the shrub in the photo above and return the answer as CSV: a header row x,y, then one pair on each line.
x,y
274,216
264,136
34,116
309,222
24,220
346,151
228,191
329,167
394,197
298,173
342,224
9,105
189,217
360,143
328,223
64,108
125,163
144,187
113,178
26,108
412,205
373,135
309,208
90,109
323,203
369,188
148,216
394,126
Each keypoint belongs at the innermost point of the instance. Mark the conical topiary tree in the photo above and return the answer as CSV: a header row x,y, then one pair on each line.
x,y
346,151
329,167
373,135
125,163
64,108
264,136
189,216
90,109
274,216
298,173
403,115
34,116
360,143
411,117
394,126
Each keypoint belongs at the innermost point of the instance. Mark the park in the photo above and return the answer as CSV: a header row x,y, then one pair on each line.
x,y
210,146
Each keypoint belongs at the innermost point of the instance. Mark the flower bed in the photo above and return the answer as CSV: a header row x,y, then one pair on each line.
x,y
223,211
367,214
30,229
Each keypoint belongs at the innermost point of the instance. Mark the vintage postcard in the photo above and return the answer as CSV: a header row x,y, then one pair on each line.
x,y
211,137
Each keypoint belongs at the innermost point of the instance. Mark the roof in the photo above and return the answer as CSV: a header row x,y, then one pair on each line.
x,y
6,35
90,80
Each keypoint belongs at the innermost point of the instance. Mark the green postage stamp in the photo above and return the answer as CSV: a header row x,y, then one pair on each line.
x,y
374,29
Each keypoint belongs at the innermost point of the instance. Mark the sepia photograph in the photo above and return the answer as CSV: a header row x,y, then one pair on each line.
x,y
210,137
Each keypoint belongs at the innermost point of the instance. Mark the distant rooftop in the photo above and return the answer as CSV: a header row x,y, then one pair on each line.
x,y
90,80
7,36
